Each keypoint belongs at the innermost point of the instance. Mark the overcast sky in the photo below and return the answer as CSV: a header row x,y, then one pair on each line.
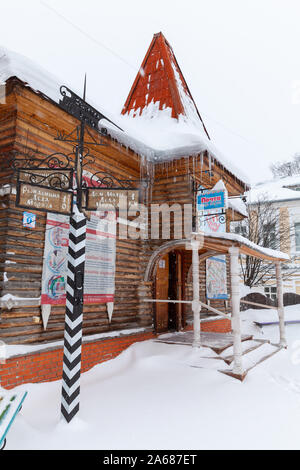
x,y
240,58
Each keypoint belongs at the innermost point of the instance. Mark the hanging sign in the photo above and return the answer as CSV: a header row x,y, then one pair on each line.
x,y
211,211
211,207
31,196
211,200
105,198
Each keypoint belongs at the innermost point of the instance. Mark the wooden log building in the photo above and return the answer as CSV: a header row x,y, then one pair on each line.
x,y
30,119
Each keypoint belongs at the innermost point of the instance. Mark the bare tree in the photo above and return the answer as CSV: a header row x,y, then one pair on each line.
x,y
264,228
287,168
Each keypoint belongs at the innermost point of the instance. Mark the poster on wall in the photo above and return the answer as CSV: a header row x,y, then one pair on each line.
x,y
216,278
99,275
100,258
54,276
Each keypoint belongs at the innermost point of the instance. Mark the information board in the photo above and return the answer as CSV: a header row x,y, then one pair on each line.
x,y
99,274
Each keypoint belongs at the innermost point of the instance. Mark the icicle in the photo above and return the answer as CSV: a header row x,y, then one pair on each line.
x,y
201,165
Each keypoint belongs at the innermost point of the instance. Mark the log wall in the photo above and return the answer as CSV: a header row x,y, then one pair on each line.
x,y
29,123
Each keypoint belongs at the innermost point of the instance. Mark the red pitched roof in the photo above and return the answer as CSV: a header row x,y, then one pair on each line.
x,y
160,81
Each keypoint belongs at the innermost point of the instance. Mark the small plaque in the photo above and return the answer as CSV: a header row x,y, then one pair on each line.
x,y
29,219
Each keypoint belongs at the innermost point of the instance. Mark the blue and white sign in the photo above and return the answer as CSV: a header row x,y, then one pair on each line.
x,y
29,220
211,200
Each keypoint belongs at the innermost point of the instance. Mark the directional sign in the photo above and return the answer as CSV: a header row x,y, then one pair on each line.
x,y
37,197
105,199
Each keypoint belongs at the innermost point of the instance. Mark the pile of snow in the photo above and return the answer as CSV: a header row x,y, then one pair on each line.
x,y
270,315
12,350
150,397
278,189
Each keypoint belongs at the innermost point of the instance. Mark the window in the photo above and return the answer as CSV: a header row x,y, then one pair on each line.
x,y
241,230
271,292
297,236
269,235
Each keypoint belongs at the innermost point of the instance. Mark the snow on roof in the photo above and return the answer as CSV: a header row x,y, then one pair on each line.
x,y
237,205
158,139
16,65
162,83
278,189
164,138
275,254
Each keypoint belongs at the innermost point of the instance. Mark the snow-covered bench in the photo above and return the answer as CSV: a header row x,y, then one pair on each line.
x,y
10,405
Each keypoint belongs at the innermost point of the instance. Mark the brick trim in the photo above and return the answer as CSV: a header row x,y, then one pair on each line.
x,y
46,365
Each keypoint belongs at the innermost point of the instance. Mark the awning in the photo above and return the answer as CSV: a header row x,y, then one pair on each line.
x,y
221,242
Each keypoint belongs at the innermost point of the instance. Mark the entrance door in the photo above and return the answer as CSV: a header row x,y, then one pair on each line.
x,y
169,316
162,288
175,290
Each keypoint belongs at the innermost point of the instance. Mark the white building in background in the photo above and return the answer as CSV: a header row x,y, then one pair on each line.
x,y
284,195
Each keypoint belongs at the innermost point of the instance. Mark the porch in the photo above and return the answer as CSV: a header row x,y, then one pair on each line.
x,y
204,246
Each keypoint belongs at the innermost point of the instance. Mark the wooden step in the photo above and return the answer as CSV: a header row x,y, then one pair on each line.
x,y
248,346
264,358
254,358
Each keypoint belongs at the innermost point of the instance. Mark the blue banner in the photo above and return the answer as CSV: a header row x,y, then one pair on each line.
x,y
211,200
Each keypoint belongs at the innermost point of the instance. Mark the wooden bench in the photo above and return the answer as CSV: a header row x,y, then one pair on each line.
x,y
10,405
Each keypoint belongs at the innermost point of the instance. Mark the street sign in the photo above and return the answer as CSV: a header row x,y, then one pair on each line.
x,y
32,196
105,198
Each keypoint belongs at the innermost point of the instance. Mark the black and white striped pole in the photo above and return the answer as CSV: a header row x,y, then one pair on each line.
x,y
73,318
74,292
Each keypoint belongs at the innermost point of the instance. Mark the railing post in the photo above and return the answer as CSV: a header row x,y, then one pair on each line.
x,y
235,316
280,307
195,303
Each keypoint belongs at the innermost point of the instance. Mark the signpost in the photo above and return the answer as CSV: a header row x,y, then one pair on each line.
x,y
55,184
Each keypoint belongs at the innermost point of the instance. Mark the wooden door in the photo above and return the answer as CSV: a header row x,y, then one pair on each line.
x,y
161,289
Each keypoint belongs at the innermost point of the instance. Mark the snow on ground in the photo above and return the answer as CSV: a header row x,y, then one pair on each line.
x,y
150,398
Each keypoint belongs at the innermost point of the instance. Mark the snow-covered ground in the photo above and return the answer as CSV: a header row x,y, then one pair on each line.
x,y
151,398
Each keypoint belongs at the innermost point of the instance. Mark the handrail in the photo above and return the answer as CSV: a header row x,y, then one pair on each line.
x,y
258,305
218,312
